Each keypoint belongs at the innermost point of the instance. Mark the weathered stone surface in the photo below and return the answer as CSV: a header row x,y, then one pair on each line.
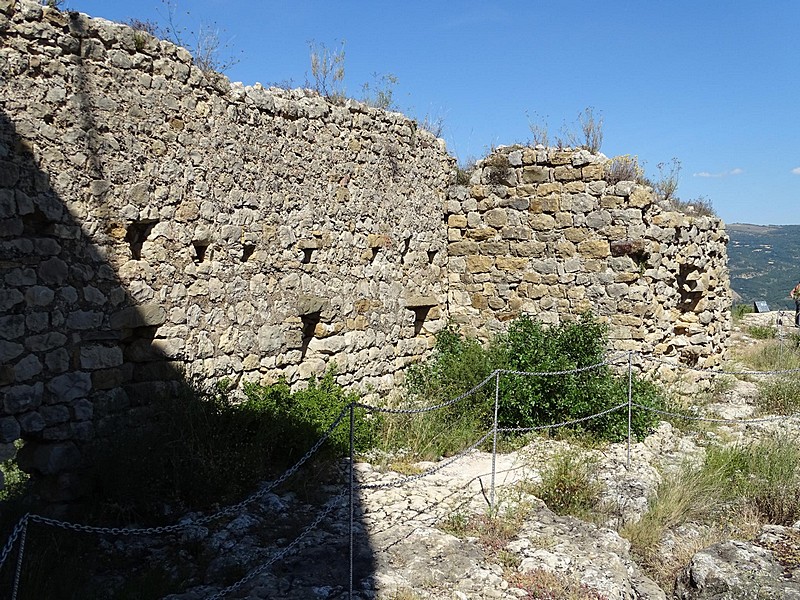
x,y
736,569
144,315
70,386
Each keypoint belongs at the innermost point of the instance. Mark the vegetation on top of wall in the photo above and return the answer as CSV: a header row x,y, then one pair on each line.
x,y
589,134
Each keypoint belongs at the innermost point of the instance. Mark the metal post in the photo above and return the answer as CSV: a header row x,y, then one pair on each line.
x,y
630,400
352,492
18,572
494,436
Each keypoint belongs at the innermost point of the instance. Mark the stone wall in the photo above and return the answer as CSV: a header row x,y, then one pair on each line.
x,y
548,232
159,224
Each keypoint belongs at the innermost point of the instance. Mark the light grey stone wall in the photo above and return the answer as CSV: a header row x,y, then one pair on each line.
x,y
159,224
543,231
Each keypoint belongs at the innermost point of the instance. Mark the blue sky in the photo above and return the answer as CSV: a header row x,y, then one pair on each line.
x,y
715,84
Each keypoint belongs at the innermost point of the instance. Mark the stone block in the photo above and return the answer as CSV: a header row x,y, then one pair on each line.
x,y
84,319
459,221
31,422
496,218
9,351
53,271
9,430
516,233
54,414
462,248
566,173
594,248
27,368
70,386
481,233
23,398
535,174
39,296
10,298
100,357
144,315
479,264
541,222
508,263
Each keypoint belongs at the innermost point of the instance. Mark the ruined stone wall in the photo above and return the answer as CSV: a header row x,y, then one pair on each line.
x,y
159,223
547,232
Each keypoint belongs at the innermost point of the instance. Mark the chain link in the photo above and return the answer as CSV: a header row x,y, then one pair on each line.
x,y
425,409
431,471
330,505
563,424
12,539
716,420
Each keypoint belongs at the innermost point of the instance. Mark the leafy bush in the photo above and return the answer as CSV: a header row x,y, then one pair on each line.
x,y
458,364
698,207
529,401
624,168
202,449
739,310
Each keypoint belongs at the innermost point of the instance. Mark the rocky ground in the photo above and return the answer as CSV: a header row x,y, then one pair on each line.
x,y
404,525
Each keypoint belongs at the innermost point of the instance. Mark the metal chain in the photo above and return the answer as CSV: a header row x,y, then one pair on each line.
x,y
20,556
563,424
9,545
716,420
431,471
425,409
603,363
276,557
714,371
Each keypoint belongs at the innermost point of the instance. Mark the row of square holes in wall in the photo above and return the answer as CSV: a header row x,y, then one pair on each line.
x,y
138,232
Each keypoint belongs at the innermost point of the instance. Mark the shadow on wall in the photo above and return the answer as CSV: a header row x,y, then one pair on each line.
x,y
79,369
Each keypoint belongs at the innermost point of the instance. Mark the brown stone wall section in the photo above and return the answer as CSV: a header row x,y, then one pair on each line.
x,y
543,231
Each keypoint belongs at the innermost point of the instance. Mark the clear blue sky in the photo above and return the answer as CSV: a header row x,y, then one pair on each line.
x,y
714,83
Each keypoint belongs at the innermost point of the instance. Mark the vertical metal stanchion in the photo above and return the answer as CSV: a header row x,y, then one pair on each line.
x,y
630,400
352,492
18,571
494,435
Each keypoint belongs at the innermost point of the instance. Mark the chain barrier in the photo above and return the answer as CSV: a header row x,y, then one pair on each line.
x,y
12,539
21,527
564,423
607,362
716,420
713,371
425,409
329,506
431,471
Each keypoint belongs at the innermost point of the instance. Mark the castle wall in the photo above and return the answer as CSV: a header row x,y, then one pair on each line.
x,y
159,224
544,232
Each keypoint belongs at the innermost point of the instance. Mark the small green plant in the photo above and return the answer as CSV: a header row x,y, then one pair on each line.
x,y
464,171
739,310
762,332
540,132
498,166
591,131
667,183
540,583
568,484
697,207
209,51
15,480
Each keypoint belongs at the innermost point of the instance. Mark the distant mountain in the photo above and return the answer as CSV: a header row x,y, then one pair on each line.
x,y
764,262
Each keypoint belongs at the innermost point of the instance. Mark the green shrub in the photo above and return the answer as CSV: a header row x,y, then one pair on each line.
x,y
530,401
739,310
568,484
780,395
458,364
761,332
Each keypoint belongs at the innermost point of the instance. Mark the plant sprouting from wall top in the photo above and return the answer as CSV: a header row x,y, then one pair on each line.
x,y
327,70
